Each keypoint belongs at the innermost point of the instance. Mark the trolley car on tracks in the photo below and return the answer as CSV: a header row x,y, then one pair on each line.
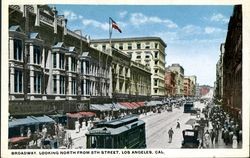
x,y
126,132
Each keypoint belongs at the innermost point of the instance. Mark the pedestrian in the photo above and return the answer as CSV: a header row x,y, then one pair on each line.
x,y
56,129
29,132
170,134
178,124
206,139
235,143
70,142
226,137
212,136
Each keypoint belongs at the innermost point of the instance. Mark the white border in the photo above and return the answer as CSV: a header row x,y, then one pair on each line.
x,y
244,152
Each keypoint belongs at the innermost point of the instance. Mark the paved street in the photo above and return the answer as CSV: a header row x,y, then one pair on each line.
x,y
158,124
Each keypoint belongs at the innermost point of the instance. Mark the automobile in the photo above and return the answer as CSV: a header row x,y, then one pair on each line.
x,y
190,138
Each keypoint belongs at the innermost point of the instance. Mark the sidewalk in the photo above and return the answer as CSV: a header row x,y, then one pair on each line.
x,y
220,144
79,139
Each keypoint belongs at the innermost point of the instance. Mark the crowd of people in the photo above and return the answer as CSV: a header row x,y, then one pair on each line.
x,y
221,125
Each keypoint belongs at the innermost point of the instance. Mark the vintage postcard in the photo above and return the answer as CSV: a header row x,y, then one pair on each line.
x,y
127,79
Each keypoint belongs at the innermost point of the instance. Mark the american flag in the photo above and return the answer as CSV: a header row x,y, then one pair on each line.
x,y
115,26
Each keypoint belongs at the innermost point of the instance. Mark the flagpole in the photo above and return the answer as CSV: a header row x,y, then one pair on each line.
x,y
110,53
110,34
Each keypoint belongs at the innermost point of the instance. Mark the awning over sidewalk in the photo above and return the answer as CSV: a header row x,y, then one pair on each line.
x,y
23,121
153,103
127,105
80,114
111,107
100,107
44,119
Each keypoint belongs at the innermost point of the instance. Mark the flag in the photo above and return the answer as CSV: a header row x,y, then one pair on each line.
x,y
115,26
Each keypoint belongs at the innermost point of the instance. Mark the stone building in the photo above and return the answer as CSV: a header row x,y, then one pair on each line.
x,y
178,69
130,80
52,69
187,86
232,65
193,79
149,51
170,83
55,70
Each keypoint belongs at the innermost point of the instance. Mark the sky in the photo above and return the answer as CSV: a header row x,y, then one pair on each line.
x,y
193,33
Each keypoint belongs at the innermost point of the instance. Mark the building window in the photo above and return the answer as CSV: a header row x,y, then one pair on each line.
x,y
156,54
121,46
103,47
18,49
18,81
87,67
61,61
82,87
155,82
138,45
87,87
129,46
156,91
156,45
73,86
54,60
147,56
54,84
37,55
156,71
37,82
82,67
156,62
147,45
138,57
73,64
62,84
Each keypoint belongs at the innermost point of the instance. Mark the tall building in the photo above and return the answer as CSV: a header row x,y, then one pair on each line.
x,y
187,86
170,83
193,79
232,65
149,51
219,75
55,70
178,69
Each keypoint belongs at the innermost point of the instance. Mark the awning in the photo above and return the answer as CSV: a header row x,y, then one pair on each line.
x,y
153,103
44,119
127,105
111,107
23,121
80,114
99,107
18,139
120,106
141,103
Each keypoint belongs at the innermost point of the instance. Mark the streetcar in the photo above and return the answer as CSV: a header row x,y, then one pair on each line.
x,y
188,107
127,132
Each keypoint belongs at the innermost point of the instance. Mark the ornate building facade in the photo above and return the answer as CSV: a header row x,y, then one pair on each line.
x,y
55,70
51,68
149,51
